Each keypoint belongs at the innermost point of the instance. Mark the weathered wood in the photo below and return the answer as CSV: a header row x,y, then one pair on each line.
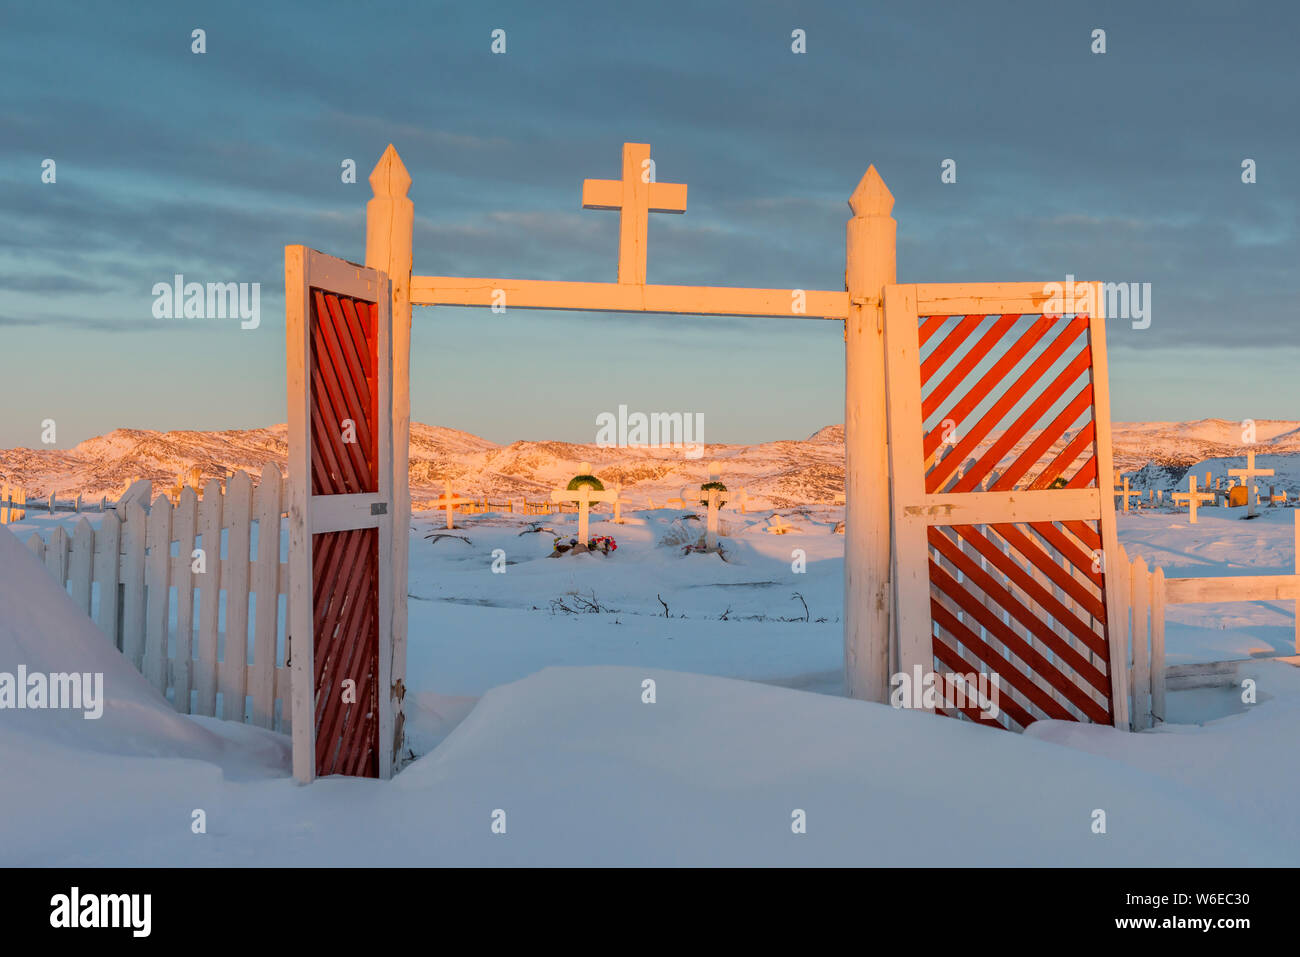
x,y
1140,592
158,583
211,521
298,642
266,568
390,218
1158,644
622,297
184,529
870,269
80,565
56,556
980,508
910,566
1115,613
1187,591
108,544
135,531
234,664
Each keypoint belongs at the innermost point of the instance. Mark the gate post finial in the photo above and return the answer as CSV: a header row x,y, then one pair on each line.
x,y
871,197
389,178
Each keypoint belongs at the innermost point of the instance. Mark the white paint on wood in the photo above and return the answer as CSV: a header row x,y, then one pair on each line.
x,y
108,544
134,533
184,529
158,583
80,566
266,569
870,267
1158,645
211,522
234,665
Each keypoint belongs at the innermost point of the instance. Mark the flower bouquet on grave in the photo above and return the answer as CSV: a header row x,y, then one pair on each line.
x,y
603,544
562,546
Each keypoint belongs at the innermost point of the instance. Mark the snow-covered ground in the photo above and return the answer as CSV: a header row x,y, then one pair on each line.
x,y
523,698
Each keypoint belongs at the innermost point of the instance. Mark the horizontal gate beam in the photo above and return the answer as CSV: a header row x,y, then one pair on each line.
x,y
1001,298
1187,591
338,513
628,297
984,508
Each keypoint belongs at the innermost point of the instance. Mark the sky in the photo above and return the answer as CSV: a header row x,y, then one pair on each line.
x,y
1122,166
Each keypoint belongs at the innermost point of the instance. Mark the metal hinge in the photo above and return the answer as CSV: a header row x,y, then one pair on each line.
x,y
378,508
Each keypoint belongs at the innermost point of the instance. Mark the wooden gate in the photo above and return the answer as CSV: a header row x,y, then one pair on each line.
x,y
339,357
998,560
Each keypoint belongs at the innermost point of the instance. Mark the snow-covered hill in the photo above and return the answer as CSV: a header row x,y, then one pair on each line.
x,y
779,473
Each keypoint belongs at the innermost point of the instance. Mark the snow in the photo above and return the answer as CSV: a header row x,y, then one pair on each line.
x,y
518,705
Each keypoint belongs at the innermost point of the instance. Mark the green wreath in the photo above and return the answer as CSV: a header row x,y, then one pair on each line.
x,y
578,481
710,486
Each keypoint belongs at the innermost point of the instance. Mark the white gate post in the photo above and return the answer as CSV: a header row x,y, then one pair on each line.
x,y
390,218
871,265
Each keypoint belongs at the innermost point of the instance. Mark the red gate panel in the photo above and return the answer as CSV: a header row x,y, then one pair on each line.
x,y
995,447
340,425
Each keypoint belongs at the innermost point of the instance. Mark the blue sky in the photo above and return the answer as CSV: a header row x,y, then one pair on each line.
x,y
1122,167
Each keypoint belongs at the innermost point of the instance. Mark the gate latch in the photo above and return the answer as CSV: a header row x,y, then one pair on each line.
x,y
378,508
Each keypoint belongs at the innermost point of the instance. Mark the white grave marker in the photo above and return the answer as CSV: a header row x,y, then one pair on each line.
x,y
1247,476
449,502
716,497
1124,492
1193,498
583,496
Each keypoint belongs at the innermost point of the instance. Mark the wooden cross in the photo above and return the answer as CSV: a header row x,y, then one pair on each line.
x,y
1125,492
1193,498
635,196
715,501
449,502
584,496
618,505
1247,475
778,526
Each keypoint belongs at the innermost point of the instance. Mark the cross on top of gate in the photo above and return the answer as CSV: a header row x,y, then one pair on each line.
x,y
635,196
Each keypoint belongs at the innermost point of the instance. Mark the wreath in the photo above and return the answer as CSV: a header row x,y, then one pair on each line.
x,y
593,483
708,487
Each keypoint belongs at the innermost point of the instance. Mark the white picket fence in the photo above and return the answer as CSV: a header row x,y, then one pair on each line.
x,y
1147,592
159,585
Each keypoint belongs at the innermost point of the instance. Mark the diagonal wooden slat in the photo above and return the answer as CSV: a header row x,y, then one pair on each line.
x,y
1047,565
931,402
949,344
1036,592
1004,600
1052,433
1084,439
987,382
1026,421
1012,394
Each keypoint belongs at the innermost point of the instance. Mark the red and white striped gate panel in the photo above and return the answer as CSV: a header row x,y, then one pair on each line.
x,y
999,426
339,357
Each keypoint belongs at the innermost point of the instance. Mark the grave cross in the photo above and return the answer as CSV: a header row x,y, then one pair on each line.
x,y
635,196
1124,492
778,525
715,500
1193,498
583,496
449,502
1247,475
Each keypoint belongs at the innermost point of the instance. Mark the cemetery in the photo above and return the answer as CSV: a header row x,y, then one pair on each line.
x,y
400,624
